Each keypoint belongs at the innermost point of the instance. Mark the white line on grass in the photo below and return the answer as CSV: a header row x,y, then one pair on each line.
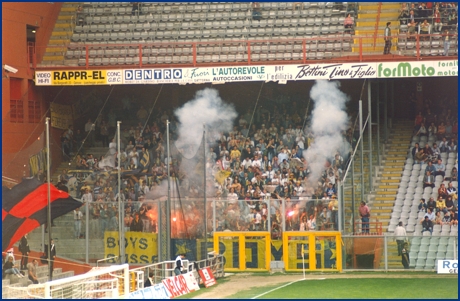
x,y
287,284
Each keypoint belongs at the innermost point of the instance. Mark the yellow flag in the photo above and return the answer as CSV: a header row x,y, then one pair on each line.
x,y
221,176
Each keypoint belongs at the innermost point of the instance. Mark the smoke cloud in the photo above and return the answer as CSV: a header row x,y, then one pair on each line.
x,y
328,121
206,108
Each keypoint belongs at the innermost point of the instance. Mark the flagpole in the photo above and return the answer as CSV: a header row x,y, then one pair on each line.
x,y
204,191
168,201
48,179
120,207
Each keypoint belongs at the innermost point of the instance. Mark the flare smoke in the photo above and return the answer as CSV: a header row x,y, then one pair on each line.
x,y
328,121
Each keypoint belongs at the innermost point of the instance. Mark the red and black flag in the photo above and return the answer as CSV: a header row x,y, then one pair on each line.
x,y
24,208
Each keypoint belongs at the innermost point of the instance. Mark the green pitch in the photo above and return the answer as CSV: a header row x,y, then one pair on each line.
x,y
359,288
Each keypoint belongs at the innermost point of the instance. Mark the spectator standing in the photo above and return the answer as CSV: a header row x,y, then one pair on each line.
x,y
136,225
400,237
149,281
179,265
365,213
446,41
77,217
24,249
405,256
387,38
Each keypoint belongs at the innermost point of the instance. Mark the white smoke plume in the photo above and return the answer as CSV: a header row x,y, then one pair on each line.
x,y
328,121
206,108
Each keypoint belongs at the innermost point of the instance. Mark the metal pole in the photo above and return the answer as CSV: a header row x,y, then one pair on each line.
x,y
385,251
385,110
283,213
120,207
204,192
214,216
341,207
353,194
361,147
48,179
378,123
168,201
87,231
369,130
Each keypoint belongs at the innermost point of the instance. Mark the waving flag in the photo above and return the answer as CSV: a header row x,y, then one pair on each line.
x,y
24,208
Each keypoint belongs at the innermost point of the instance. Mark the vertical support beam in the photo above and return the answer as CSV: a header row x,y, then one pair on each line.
x,y
168,201
48,180
283,213
385,251
385,110
353,195
204,193
340,212
369,131
378,122
121,231
361,148
87,232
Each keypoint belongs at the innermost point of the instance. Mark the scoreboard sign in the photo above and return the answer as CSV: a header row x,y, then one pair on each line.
x,y
207,277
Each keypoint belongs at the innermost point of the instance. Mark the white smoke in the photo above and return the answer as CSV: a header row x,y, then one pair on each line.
x,y
206,109
328,120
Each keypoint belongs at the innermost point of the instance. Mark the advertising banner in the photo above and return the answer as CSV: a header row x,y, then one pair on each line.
x,y
158,291
321,71
181,285
140,247
61,116
207,277
447,266
229,74
78,78
417,69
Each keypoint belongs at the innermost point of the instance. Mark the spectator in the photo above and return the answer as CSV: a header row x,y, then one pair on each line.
x,y
348,24
387,38
80,16
438,218
446,41
136,225
442,191
403,14
405,256
136,8
365,214
256,12
422,206
427,225
10,268
431,204
440,205
428,180
32,271
400,237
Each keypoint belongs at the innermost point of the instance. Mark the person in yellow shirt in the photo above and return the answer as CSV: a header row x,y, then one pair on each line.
x,y
235,153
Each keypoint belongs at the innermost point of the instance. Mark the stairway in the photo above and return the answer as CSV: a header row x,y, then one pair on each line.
x,y
365,25
60,37
390,172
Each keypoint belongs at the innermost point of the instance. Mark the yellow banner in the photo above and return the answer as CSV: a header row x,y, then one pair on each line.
x,y
37,162
76,77
61,116
140,247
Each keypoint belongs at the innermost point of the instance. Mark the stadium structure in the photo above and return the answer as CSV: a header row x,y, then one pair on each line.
x,y
243,134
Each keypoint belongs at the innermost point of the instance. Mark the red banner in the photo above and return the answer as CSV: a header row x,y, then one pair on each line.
x,y
207,277
181,285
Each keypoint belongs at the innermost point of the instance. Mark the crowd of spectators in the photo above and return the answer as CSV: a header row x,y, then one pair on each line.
x,y
442,128
428,17
261,160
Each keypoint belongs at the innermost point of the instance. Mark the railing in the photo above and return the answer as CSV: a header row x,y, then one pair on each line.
x,y
377,21
337,48
368,228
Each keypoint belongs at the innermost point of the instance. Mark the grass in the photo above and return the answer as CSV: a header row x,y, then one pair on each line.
x,y
360,288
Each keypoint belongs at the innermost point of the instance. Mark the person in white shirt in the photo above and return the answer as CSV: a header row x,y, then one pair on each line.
x,y
400,237
257,162
87,197
232,196
77,217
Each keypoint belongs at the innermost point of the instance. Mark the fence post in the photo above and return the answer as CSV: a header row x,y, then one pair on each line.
x,y
385,251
